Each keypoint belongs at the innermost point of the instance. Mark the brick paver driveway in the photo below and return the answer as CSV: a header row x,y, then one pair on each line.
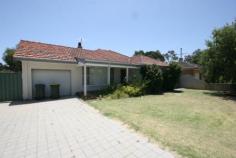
x,y
67,128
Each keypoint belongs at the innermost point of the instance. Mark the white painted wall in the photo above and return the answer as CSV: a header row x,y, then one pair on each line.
x,y
189,81
48,77
76,75
197,75
27,66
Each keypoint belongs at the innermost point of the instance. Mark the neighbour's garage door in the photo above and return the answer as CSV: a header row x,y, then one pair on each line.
x,y
47,77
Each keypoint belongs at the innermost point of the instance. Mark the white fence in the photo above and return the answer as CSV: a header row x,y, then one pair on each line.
x,y
188,81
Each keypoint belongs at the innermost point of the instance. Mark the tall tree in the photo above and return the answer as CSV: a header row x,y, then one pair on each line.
x,y
152,54
139,52
195,58
170,56
155,55
10,63
219,59
188,58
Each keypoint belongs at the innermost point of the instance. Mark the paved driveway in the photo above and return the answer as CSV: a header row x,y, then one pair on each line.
x,y
67,128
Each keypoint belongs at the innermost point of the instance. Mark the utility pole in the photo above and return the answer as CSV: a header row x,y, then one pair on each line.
x,y
181,55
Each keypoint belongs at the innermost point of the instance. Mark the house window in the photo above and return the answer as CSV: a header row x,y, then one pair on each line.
x,y
96,76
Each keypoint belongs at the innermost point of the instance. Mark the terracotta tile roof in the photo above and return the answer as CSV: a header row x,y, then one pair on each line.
x,y
36,50
41,51
185,65
144,60
100,55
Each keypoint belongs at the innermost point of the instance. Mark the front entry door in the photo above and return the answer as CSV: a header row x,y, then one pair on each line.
x,y
122,75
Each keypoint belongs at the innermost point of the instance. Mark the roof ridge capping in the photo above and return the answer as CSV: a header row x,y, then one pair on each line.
x,y
57,45
99,49
26,50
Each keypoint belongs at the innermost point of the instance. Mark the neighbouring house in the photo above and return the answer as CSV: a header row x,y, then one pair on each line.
x,y
190,69
191,76
75,69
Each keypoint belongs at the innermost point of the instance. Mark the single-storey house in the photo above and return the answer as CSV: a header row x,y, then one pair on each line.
x,y
75,69
191,76
190,69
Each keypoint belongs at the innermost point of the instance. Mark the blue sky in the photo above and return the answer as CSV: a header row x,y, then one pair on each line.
x,y
120,25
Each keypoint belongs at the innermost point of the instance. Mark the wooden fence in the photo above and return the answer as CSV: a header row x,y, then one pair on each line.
x,y
221,87
10,86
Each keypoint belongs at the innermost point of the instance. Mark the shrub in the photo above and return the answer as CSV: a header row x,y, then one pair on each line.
x,y
131,90
152,77
98,93
171,76
118,94
126,91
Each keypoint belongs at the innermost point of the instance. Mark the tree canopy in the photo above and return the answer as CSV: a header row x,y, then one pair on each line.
x,y
219,59
152,54
171,76
1,67
170,56
153,78
194,58
10,63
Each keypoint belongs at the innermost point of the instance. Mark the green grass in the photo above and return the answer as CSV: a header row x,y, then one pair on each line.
x,y
194,123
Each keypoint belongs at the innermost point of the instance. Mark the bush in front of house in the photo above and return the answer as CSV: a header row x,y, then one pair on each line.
x,y
157,80
153,78
125,91
98,93
115,92
171,76
132,90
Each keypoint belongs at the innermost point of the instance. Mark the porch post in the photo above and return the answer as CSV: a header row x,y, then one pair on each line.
x,y
127,75
108,75
85,80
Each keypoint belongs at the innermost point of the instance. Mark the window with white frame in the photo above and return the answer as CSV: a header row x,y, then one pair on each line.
x,y
97,76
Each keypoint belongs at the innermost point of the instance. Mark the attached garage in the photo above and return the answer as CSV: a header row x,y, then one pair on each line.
x,y
47,77
75,69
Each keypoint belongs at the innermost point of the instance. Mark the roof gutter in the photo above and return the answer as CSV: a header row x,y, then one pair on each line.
x,y
83,61
80,61
44,60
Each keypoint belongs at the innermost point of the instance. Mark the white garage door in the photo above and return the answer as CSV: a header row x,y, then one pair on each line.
x,y
48,77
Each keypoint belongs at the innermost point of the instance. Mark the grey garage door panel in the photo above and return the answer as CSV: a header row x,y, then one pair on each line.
x,y
47,77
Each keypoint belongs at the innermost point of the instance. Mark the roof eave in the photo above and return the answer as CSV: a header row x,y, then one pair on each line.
x,y
108,62
43,60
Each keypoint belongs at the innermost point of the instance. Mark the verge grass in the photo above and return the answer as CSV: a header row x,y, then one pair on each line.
x,y
194,123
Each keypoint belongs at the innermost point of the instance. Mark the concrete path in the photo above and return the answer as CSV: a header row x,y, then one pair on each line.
x,y
68,128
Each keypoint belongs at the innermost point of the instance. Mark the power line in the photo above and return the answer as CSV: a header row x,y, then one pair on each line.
x,y
183,53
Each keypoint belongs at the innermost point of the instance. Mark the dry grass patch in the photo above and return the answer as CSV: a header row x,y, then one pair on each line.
x,y
195,123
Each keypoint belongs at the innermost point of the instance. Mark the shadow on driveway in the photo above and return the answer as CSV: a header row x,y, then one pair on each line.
x,y
25,102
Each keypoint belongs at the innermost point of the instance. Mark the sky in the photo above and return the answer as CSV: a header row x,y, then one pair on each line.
x,y
120,25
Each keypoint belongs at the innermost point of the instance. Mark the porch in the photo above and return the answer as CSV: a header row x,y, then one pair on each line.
x,y
97,77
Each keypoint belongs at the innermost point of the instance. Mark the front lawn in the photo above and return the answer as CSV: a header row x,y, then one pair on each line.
x,y
193,123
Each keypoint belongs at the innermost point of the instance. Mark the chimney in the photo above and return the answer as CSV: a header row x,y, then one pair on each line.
x,y
79,45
